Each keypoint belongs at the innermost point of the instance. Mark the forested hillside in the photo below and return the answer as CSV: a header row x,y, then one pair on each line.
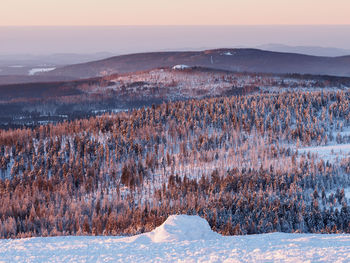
x,y
235,161
33,104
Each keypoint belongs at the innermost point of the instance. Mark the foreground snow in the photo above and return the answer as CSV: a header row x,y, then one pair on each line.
x,y
180,239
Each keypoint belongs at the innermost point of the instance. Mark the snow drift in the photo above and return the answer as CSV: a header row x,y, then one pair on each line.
x,y
181,228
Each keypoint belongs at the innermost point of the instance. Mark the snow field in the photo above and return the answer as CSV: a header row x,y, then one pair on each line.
x,y
180,239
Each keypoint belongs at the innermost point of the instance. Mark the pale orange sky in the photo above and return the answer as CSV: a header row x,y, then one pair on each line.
x,y
173,12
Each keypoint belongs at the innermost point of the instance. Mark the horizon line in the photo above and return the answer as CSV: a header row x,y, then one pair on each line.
x,y
174,25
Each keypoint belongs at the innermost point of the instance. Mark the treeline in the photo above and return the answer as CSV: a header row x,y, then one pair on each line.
x,y
232,160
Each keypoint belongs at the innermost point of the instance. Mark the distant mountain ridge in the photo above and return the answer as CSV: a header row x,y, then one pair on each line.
x,y
306,50
241,60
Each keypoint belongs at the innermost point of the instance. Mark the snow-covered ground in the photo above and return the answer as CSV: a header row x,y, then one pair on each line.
x,y
329,152
109,110
33,71
180,239
228,53
180,67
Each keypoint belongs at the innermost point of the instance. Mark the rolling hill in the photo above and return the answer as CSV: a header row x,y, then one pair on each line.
x,y
241,60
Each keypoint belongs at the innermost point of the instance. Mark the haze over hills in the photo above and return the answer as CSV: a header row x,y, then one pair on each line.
x,y
136,39
28,60
307,50
17,66
241,60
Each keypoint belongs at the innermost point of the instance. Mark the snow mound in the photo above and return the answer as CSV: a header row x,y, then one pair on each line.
x,y
182,228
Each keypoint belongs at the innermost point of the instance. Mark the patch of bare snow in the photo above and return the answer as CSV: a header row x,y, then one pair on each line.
x,y
33,71
228,53
329,152
180,67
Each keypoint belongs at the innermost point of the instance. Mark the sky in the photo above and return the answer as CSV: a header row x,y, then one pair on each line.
x,y
130,26
173,12
134,39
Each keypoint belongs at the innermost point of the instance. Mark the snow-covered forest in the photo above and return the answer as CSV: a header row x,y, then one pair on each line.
x,y
240,162
33,104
